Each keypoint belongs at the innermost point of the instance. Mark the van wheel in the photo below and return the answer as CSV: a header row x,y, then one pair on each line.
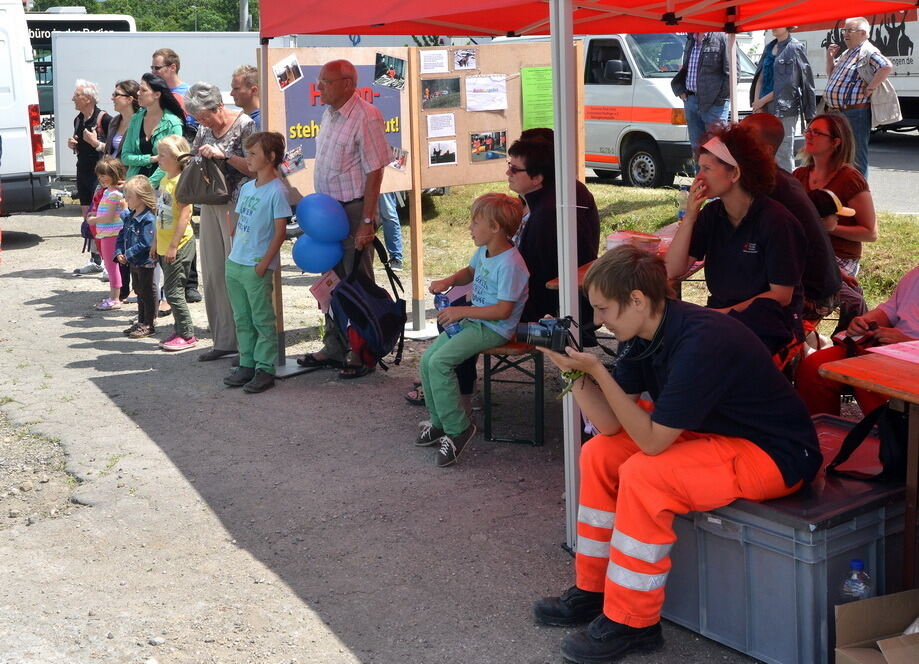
x,y
643,166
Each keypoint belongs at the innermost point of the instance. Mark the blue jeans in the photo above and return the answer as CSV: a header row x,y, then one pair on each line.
x,y
860,121
698,120
389,220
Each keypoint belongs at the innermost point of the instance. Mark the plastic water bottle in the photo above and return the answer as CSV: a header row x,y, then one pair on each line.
x,y
857,584
683,200
441,301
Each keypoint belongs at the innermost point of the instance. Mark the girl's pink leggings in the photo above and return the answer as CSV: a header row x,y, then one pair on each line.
x,y
107,250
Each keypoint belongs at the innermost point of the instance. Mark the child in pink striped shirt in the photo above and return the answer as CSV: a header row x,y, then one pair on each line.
x,y
106,224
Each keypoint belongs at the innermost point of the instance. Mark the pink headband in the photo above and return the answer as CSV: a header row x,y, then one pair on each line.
x,y
717,147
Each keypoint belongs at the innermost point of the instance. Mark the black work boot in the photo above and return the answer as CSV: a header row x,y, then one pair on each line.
x,y
606,641
259,383
574,607
240,376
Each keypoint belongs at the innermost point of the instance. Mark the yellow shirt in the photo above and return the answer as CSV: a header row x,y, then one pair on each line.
x,y
168,210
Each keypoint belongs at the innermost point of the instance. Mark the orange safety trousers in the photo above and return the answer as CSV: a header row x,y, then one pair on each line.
x,y
628,500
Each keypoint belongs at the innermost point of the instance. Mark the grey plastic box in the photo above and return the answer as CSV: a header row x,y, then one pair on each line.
x,y
763,577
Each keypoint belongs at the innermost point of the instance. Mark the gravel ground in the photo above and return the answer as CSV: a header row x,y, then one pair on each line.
x,y
185,522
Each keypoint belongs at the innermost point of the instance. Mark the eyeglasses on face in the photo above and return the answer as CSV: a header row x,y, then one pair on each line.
x,y
119,94
814,132
329,81
851,30
514,169
157,67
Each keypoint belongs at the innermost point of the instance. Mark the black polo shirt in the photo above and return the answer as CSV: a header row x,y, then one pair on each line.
x,y
710,374
767,247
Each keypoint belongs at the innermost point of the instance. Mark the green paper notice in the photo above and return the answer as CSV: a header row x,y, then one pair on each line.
x,y
536,86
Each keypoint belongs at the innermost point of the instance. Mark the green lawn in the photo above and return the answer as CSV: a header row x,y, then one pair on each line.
x,y
447,245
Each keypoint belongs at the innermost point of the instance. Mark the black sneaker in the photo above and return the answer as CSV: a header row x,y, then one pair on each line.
x,y
429,434
450,447
574,607
606,641
259,383
192,295
240,377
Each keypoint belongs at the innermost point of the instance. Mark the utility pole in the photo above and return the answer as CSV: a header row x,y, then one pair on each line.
x,y
243,15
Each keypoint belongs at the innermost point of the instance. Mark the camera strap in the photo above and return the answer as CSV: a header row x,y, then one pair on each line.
x,y
653,346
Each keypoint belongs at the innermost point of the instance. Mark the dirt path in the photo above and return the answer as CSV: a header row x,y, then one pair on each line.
x,y
199,524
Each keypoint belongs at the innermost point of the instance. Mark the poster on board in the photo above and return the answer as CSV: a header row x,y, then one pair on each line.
x,y
442,153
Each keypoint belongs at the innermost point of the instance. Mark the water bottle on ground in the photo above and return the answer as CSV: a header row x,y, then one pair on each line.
x,y
683,200
857,584
441,301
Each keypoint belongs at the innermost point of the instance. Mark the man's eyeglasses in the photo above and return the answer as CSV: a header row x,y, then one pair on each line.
x,y
851,30
514,169
814,132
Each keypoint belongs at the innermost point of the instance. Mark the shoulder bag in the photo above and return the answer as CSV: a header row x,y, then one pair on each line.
x,y
885,106
202,182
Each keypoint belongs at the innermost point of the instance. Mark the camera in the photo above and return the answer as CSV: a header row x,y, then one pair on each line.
x,y
551,333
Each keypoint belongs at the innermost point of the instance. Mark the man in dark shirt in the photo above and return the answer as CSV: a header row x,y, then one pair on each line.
x,y
725,424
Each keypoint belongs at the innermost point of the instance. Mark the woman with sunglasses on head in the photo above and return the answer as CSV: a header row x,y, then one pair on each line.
x,y
754,249
160,115
829,150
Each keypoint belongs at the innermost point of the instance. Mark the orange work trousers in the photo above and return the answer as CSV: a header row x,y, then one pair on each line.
x,y
628,500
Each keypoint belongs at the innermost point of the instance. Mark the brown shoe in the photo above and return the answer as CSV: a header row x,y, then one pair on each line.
x,y
141,331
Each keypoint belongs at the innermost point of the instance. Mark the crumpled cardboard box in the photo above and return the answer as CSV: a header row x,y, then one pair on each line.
x,y
871,631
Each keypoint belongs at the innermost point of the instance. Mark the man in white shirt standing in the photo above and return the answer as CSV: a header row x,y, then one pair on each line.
x,y
351,152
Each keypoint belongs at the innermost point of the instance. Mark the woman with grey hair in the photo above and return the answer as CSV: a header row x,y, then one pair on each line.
x,y
90,120
221,134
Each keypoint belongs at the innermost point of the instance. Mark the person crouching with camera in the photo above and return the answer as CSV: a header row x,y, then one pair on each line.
x,y
499,292
725,424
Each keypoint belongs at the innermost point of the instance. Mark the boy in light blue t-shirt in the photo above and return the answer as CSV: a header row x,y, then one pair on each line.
x,y
262,227
499,279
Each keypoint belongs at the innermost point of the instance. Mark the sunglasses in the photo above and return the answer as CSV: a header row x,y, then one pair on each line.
x,y
120,94
157,67
514,169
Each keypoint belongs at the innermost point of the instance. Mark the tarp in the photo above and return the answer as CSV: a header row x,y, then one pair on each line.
x,y
528,17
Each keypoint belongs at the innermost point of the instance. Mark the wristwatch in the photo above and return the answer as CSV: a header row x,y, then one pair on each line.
x,y
367,220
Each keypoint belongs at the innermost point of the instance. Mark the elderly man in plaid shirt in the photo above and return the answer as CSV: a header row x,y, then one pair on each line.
x,y
351,152
846,91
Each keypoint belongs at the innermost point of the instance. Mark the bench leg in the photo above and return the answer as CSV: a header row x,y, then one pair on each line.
x,y
487,397
538,396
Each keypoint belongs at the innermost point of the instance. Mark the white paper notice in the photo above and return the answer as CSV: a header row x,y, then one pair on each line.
x,y
441,124
486,93
434,62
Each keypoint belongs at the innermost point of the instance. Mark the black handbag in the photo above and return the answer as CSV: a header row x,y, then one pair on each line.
x,y
892,426
202,182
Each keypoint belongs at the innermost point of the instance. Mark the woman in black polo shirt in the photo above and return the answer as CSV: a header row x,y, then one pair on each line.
x,y
753,248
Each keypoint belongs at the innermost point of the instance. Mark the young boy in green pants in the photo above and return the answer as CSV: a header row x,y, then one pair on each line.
x,y
499,292
263,210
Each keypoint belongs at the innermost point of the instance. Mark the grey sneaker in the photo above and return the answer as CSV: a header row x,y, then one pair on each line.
x,y
259,383
429,434
452,446
396,264
89,268
239,377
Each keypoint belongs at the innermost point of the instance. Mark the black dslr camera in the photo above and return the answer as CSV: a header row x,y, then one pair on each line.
x,y
551,333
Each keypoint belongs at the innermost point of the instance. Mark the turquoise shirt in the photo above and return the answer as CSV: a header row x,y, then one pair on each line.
x,y
258,207
501,278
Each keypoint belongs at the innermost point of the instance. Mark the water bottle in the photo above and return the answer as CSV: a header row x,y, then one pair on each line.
x,y
683,200
441,301
857,584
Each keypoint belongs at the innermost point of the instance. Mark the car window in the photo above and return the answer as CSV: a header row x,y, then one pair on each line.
x,y
599,53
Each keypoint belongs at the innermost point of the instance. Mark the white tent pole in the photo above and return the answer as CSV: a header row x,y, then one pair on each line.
x,y
564,90
732,55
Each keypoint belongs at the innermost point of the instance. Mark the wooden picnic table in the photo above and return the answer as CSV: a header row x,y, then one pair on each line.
x,y
897,379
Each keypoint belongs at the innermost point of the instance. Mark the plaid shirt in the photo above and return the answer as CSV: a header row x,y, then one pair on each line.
x,y
845,87
692,67
351,144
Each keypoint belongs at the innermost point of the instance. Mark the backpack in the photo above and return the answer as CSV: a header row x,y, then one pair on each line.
x,y
367,316
892,429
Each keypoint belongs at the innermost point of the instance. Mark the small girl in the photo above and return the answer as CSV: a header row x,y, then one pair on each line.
x,y
133,249
106,224
175,242
250,267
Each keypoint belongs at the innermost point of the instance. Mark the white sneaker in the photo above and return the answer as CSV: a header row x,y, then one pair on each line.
x,y
89,268
104,276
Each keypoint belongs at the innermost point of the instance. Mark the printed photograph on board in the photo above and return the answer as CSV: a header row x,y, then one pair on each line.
x,y
389,71
287,72
465,59
487,145
442,153
440,93
399,157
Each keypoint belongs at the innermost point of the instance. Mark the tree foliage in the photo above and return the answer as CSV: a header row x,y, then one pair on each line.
x,y
167,15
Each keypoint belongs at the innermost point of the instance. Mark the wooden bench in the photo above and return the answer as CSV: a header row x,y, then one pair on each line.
x,y
513,356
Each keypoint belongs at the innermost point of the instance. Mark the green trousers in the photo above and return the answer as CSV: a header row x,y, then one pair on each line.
x,y
175,277
253,314
438,378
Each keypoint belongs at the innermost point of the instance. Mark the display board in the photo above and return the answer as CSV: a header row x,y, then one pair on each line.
x,y
294,108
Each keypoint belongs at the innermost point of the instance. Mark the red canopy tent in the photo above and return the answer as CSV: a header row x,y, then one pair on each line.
x,y
562,19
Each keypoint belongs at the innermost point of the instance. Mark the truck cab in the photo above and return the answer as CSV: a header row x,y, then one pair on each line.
x,y
634,124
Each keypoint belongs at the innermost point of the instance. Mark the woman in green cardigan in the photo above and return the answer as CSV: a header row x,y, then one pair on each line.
x,y
160,115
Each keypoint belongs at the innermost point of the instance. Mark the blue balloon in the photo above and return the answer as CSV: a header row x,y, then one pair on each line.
x,y
316,257
323,218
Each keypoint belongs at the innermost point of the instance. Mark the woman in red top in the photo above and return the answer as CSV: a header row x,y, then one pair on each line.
x,y
828,153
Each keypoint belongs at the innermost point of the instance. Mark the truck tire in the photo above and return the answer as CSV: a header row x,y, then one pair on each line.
x,y
643,166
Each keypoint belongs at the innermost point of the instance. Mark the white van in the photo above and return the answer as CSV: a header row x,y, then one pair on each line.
x,y
633,123
26,185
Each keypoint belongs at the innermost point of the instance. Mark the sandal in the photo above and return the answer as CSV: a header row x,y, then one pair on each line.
x,y
415,396
310,361
352,371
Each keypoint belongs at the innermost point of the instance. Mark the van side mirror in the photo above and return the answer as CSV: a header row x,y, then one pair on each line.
x,y
613,73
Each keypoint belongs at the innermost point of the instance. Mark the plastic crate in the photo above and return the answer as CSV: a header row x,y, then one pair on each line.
x,y
762,577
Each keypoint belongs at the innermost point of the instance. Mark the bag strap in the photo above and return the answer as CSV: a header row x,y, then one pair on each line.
x,y
397,291
851,443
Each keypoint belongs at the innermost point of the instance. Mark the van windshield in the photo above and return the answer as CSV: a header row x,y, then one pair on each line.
x,y
661,55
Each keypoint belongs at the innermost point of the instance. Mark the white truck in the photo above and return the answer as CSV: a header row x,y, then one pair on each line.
x,y
896,35
25,183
